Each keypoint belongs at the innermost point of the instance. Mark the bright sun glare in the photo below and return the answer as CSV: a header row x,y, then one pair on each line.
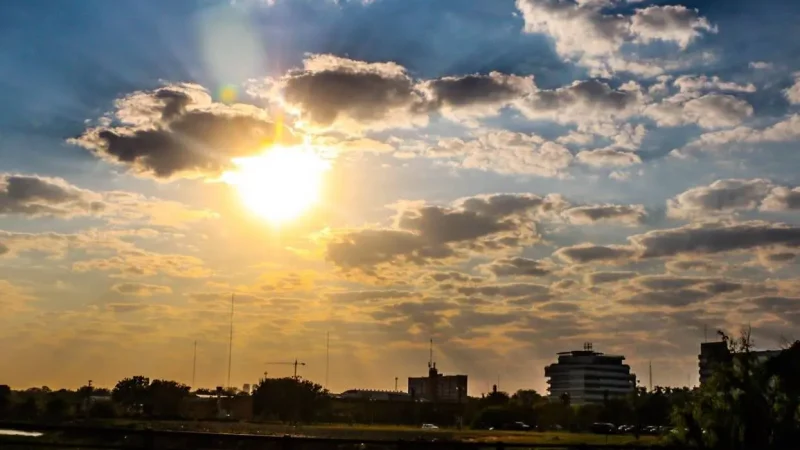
x,y
280,184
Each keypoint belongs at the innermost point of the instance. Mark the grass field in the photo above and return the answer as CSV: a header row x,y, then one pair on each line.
x,y
388,432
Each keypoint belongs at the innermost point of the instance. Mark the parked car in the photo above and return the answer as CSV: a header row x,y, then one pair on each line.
x,y
429,426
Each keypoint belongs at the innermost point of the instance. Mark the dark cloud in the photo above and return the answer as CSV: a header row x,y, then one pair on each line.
x,y
32,195
673,298
458,277
782,199
715,238
588,253
595,278
494,89
776,304
426,233
177,131
583,101
699,265
667,282
629,214
3,249
506,290
518,267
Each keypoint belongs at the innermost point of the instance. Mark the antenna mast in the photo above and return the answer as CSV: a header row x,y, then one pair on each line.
x,y
651,376
194,363
230,345
327,356
430,361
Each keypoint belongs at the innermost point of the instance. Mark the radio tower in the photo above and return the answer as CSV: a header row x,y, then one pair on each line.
x,y
230,346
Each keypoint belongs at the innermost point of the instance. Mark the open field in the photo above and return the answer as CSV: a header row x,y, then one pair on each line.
x,y
388,432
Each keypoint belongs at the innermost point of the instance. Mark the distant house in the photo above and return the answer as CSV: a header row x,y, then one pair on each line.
x,y
437,387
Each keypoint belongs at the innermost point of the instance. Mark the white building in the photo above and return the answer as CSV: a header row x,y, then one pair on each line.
x,y
589,377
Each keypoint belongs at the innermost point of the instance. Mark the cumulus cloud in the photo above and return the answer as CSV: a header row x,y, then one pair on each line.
x,y
595,278
692,83
425,233
584,31
733,195
712,238
140,263
786,130
518,267
367,296
720,197
33,195
627,214
792,93
590,253
504,152
178,131
584,101
708,111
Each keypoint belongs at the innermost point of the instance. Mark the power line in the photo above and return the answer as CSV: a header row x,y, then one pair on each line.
x,y
230,344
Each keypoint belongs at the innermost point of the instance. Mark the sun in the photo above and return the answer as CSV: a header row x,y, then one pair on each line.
x,y
280,184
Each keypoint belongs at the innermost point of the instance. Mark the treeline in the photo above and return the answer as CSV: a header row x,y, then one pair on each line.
x,y
747,404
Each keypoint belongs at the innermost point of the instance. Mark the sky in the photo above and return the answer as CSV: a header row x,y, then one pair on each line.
x,y
510,178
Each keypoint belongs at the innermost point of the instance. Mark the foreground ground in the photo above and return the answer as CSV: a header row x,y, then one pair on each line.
x,y
376,432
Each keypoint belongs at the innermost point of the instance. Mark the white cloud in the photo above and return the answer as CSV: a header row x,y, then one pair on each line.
x,y
792,93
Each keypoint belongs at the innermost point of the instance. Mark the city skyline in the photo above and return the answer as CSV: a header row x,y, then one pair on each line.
x,y
511,178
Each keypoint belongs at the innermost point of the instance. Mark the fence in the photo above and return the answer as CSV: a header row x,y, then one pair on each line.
x,y
85,437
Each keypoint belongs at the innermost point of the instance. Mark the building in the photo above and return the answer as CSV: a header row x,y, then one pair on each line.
x,y
375,395
589,377
713,354
437,387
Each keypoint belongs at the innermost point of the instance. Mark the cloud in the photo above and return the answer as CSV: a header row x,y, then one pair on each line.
x,y
517,267
583,31
712,238
140,289
626,214
3,249
33,195
761,65
425,233
590,253
708,111
782,199
504,152
508,290
720,197
367,296
140,263
792,93
474,95
584,101
786,130
733,195
595,278
676,298
178,131
693,83
608,157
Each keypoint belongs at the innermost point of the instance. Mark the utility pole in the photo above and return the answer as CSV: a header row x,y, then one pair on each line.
x,y
194,364
395,384
327,356
230,346
651,376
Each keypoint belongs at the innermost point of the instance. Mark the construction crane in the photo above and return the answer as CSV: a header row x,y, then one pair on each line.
x,y
295,363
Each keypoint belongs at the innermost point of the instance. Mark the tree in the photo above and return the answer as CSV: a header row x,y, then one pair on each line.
x,y
290,399
26,410
56,408
747,404
5,400
526,398
132,393
165,397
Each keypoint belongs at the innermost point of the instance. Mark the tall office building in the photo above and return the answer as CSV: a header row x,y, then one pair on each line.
x,y
589,377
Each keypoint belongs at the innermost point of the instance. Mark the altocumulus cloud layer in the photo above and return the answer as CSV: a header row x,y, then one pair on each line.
x,y
605,170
